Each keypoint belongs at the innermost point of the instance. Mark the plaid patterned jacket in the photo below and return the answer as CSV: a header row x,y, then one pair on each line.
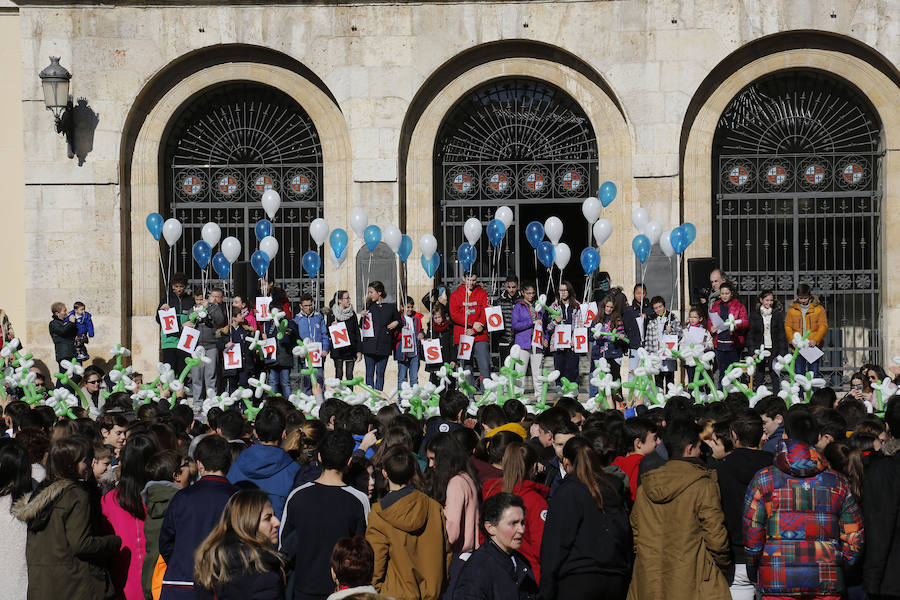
x,y
801,524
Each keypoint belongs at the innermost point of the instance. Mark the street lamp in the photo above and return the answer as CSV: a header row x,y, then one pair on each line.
x,y
55,82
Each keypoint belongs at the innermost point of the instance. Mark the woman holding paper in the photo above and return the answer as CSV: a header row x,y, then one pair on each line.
x,y
378,326
567,316
767,332
524,319
343,316
728,323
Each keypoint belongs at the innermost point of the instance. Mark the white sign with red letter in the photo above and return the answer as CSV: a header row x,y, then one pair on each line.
x,y
314,349
340,337
588,313
466,342
562,337
232,358
537,337
168,321
580,340
188,340
269,348
407,340
365,326
432,351
494,317
262,308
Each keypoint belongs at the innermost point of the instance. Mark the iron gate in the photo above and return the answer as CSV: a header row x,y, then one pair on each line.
x,y
228,147
797,201
515,142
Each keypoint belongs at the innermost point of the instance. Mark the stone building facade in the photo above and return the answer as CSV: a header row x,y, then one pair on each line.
x,y
379,81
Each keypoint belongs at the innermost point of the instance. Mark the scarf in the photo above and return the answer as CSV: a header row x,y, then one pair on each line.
x,y
725,334
342,314
442,327
767,325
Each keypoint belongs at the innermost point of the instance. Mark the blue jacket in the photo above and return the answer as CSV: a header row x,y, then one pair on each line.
x,y
269,468
192,515
84,323
313,328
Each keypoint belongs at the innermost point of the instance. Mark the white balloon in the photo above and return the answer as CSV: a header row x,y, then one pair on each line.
x,y
211,234
269,245
665,244
563,254
271,202
653,230
319,229
231,248
553,229
602,230
392,237
591,208
428,245
472,230
639,218
505,214
359,220
172,231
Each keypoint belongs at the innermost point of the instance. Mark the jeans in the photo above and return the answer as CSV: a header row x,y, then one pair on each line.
x,y
408,368
280,380
343,369
566,362
742,588
203,376
802,366
174,358
503,350
236,379
375,366
663,379
766,375
481,352
306,383
724,359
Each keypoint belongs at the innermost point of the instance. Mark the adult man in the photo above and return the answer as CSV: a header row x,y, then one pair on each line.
x,y
467,304
801,523
179,298
735,471
62,331
680,539
192,515
311,326
716,278
806,315
507,299
203,376
728,340
264,464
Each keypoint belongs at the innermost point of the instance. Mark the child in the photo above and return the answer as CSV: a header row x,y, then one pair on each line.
x,y
168,472
103,475
441,329
408,361
661,323
605,346
235,334
280,366
85,330
694,332
640,439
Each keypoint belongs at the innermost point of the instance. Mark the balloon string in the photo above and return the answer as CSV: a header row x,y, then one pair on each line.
x,y
162,270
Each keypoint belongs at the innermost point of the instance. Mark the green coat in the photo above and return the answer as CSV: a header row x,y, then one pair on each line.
x,y
65,558
157,495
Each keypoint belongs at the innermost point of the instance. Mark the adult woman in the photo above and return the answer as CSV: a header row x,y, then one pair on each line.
x,y
15,482
238,560
568,312
381,319
585,509
727,341
519,464
524,319
451,482
767,331
342,312
124,513
66,559
352,565
609,333
497,570
860,388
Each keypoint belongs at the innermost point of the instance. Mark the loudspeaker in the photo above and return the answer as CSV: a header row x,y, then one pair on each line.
x,y
698,277
246,283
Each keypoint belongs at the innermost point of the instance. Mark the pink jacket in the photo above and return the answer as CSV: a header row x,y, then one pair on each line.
x,y
126,573
462,514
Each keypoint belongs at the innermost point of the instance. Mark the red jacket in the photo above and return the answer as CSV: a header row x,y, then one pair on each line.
x,y
468,309
630,465
740,331
534,495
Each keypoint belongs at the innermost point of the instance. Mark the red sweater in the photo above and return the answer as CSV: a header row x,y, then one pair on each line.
x,y
534,495
629,465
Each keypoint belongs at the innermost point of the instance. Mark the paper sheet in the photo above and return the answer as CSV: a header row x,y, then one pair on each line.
x,y
811,354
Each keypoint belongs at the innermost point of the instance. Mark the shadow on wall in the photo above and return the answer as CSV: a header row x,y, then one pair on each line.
x,y
84,121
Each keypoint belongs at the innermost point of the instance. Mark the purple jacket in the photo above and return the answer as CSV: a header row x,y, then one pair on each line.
x,y
523,324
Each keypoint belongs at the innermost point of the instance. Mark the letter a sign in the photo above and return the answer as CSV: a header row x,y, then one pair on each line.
x,y
168,321
494,316
340,338
188,340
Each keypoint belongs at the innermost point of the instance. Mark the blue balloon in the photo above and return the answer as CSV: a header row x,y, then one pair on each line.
x,y
690,233
155,225
590,260
546,253
431,264
678,239
372,237
534,232
607,193
641,246
405,247
263,229
466,254
202,253
221,265
495,232
259,260
338,240
312,262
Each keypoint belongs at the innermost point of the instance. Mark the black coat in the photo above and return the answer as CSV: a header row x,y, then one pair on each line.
x,y
347,352
881,522
755,335
383,343
632,331
63,332
489,574
575,526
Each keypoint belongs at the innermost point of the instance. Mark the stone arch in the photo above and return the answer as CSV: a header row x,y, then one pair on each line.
x,y
874,82
143,179
606,117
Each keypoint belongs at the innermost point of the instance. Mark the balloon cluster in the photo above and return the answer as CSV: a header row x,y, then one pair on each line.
x,y
671,242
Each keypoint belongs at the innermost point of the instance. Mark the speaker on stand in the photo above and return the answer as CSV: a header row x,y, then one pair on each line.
x,y
699,270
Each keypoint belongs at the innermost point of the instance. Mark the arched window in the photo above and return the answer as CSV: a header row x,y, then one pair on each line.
x,y
797,201
522,143
226,148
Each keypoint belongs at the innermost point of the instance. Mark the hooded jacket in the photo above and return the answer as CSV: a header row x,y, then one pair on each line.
x,y
129,560
156,495
492,574
881,516
269,468
65,558
816,321
534,495
412,553
466,309
801,524
679,535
